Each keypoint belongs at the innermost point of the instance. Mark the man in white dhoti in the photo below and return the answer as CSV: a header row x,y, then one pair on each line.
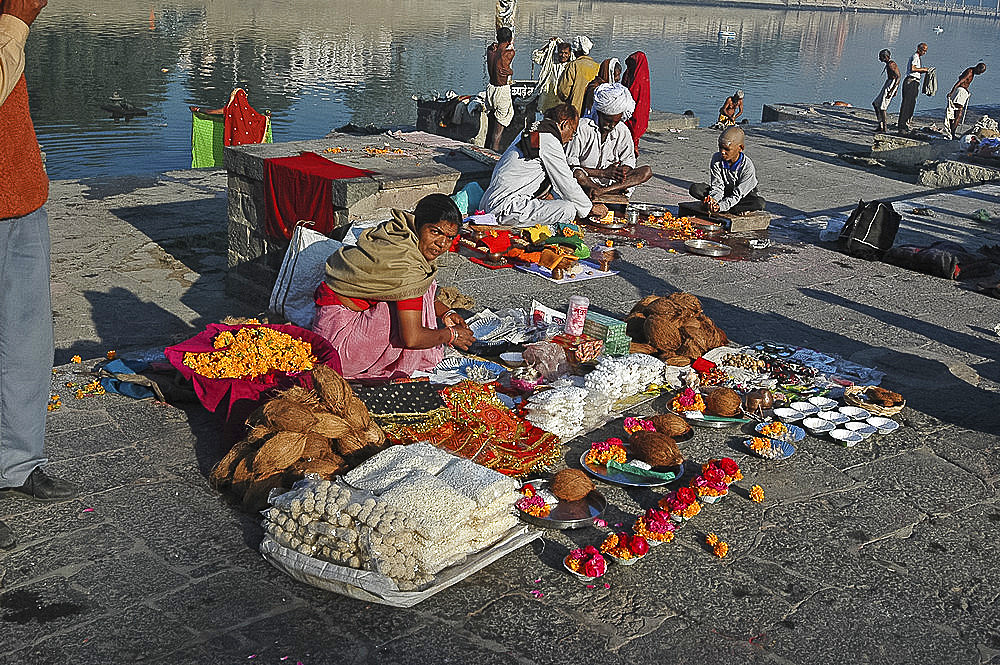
x,y
532,183
958,98
602,153
889,90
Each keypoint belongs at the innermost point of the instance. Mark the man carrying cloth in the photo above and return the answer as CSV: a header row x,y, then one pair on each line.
x,y
884,98
958,98
734,180
519,189
499,102
578,74
602,153
26,338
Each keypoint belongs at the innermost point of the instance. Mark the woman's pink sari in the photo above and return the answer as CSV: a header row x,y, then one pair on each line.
x,y
369,343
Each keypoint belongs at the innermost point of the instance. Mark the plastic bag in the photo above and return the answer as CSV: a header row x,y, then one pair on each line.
x,y
301,272
547,358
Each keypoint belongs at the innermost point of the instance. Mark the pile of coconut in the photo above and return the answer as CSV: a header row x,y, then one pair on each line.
x,y
325,432
673,328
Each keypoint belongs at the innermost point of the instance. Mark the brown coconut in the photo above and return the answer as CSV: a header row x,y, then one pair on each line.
x,y
571,485
671,425
350,444
332,388
223,471
723,402
718,337
373,435
643,304
330,426
356,414
307,398
676,361
662,306
325,468
639,347
635,327
255,498
662,333
288,415
278,453
655,449
242,475
687,302
317,446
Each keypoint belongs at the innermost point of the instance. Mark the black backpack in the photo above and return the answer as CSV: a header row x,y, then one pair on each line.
x,y
870,230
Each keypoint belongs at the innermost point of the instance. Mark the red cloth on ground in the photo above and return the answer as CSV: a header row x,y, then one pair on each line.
x,y
298,188
243,124
636,79
326,296
226,396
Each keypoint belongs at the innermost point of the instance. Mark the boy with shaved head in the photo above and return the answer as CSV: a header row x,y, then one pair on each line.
x,y
733,186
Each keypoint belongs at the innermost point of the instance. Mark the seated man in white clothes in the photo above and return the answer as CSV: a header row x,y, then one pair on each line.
x,y
533,184
602,153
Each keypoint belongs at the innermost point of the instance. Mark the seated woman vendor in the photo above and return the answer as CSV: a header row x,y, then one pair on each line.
x,y
377,302
519,192
734,179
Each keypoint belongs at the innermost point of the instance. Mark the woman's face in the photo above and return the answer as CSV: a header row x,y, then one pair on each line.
x,y
435,238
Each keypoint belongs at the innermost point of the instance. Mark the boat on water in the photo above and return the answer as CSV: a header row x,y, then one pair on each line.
x,y
727,34
938,29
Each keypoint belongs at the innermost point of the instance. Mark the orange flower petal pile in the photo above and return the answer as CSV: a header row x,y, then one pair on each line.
x,y
250,353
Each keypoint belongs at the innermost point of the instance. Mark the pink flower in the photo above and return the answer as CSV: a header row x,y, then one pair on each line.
x,y
599,522
595,567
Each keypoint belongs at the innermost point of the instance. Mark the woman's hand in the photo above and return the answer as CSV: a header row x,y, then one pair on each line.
x,y
462,337
452,318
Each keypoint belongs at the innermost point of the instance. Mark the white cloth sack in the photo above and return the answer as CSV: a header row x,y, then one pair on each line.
x,y
300,274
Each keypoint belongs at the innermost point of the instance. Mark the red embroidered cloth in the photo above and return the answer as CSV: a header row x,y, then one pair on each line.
x,y
298,187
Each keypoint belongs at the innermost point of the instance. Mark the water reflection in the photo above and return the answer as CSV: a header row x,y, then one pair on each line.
x,y
318,65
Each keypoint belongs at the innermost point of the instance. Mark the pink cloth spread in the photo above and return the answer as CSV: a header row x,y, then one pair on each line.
x,y
369,343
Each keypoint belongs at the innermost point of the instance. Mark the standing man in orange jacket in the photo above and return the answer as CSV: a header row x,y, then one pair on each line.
x,y
26,337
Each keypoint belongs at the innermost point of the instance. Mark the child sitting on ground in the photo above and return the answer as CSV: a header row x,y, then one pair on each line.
x,y
733,187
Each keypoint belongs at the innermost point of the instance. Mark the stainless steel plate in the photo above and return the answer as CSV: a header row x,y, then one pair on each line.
x,y
707,247
627,479
568,514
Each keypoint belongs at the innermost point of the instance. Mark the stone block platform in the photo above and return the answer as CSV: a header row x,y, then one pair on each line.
x,y
406,168
754,221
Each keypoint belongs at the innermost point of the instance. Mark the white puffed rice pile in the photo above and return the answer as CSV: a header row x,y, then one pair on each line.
x,y
414,526
624,376
559,411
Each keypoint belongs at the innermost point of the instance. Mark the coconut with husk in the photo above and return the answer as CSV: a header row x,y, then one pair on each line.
x,y
655,449
571,485
723,402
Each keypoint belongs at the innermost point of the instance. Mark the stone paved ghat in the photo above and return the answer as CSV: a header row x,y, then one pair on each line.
x,y
882,553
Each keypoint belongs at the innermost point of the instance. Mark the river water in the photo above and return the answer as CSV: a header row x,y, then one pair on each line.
x,y
319,64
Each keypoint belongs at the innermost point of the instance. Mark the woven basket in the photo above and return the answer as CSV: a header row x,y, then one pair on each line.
x,y
853,396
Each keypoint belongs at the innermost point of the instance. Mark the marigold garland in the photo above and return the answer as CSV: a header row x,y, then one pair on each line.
x,y
250,353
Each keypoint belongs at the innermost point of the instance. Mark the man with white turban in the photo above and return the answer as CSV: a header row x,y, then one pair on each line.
x,y
602,153
578,74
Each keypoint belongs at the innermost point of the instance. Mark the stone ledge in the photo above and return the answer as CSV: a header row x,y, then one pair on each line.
x,y
661,121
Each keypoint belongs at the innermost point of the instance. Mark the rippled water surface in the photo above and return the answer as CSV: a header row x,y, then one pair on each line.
x,y
318,64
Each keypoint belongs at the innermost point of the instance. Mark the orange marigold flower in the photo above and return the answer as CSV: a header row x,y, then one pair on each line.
x,y
711,539
721,549
757,494
77,359
112,354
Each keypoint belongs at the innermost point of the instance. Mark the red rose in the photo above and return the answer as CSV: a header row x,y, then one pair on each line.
x,y
714,475
638,546
686,495
729,466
